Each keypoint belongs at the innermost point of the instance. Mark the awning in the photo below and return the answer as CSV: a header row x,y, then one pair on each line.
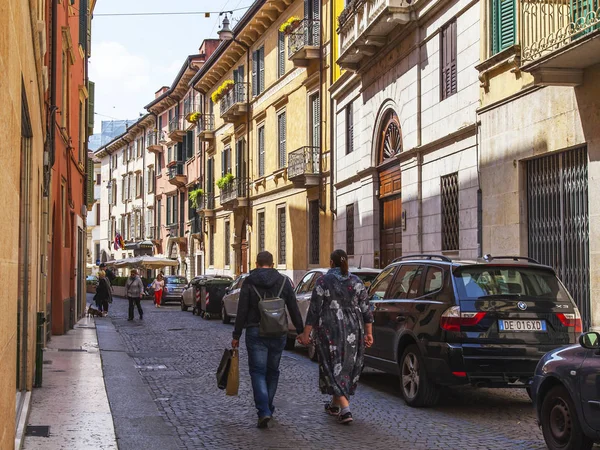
x,y
145,262
139,245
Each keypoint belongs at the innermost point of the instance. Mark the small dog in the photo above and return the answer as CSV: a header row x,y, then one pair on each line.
x,y
93,312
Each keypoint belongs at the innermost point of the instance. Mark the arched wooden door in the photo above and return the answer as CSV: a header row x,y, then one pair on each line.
x,y
390,190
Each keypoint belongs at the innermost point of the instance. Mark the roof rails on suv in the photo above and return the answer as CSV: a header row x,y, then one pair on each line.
x,y
440,257
489,258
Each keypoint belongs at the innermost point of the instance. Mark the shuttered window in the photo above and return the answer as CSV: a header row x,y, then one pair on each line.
x,y
227,249
350,229
315,121
281,239
261,151
258,71
91,95
349,128
261,231
158,217
189,144
210,175
448,60
240,161
281,55
281,134
83,24
211,253
503,24
226,161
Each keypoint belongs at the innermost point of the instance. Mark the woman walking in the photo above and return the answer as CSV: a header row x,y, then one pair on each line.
x,y
158,285
135,289
343,326
103,293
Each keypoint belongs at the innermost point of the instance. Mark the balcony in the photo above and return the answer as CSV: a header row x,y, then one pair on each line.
x,y
175,232
303,167
177,175
233,104
195,226
188,108
154,139
235,195
207,205
177,128
363,27
559,40
304,43
206,127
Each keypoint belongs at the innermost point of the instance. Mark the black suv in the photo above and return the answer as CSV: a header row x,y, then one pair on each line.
x,y
486,322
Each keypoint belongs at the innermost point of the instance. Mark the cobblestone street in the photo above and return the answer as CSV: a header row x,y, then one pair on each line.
x,y
178,353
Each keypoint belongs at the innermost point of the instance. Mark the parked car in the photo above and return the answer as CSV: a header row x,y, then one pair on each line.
x,y
231,298
566,395
486,323
304,292
174,287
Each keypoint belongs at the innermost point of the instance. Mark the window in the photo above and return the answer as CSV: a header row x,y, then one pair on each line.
x,y
448,60
159,164
83,25
350,229
211,253
97,214
403,282
123,189
261,151
281,240
188,142
114,192
381,283
97,251
158,219
280,55
450,227
433,280
64,110
258,71
138,185
281,139
240,160
315,120
226,161
151,182
82,131
261,231
98,179
305,283
210,175
63,206
349,128
227,249
313,213
130,186
503,24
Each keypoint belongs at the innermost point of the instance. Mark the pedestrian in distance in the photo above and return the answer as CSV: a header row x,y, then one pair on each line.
x,y
135,289
110,275
264,352
158,285
342,321
103,293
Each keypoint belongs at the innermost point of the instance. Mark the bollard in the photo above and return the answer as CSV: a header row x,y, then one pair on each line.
x,y
39,350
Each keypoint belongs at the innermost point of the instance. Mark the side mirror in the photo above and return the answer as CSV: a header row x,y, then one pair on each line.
x,y
590,340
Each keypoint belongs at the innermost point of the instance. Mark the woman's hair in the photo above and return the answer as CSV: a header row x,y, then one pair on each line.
x,y
159,276
101,274
340,259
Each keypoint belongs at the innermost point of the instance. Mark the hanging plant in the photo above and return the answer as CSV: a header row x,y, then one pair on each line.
x,y
225,181
222,90
290,25
195,196
194,117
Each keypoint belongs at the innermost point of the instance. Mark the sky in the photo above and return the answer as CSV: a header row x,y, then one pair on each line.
x,y
134,56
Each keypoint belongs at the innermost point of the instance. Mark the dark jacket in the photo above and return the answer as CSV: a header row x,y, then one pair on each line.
x,y
103,290
110,275
267,282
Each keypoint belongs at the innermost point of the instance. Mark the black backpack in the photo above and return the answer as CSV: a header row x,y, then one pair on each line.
x,y
273,319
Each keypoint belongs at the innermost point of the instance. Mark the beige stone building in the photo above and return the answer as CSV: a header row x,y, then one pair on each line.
x,y
540,139
266,140
23,77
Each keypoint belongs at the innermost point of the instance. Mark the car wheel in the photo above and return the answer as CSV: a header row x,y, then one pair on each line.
x,y
417,388
183,306
560,424
290,343
224,317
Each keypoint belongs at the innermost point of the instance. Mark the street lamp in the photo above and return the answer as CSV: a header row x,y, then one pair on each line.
x,y
225,33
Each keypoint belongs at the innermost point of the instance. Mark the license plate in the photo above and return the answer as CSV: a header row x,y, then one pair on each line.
x,y
522,325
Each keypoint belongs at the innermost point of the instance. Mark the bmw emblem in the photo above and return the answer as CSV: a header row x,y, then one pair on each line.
x,y
522,306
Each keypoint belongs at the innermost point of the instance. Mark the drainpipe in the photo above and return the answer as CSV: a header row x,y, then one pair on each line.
x,y
321,127
479,193
419,155
332,153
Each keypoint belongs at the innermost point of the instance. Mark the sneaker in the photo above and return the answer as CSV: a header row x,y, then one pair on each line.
x,y
345,419
263,422
332,410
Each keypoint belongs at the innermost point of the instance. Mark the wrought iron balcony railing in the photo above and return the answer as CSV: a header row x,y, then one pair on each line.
x,y
176,169
308,34
195,224
177,123
188,106
154,140
304,161
550,25
235,190
237,94
207,201
205,123
175,230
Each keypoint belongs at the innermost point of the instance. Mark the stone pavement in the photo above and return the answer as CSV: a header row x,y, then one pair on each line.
x,y
171,357
72,399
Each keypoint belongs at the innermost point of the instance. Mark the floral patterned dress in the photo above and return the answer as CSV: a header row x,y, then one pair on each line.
x,y
338,312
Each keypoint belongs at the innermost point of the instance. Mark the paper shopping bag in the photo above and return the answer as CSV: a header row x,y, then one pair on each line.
x,y
233,379
223,370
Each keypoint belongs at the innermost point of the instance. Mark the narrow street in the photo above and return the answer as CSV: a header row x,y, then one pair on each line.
x,y
176,355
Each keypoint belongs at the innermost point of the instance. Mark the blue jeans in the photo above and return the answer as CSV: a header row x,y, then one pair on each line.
x,y
264,355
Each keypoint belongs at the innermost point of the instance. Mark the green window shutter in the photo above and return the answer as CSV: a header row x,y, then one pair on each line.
x,y
90,183
254,73
503,24
83,24
91,93
261,62
281,54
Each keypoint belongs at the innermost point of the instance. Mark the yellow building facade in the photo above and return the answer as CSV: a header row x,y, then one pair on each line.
x,y
540,139
264,129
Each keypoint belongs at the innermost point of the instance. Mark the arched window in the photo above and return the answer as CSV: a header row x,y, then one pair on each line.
x,y
391,137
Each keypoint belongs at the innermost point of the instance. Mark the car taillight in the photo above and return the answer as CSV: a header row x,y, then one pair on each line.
x,y
571,320
452,319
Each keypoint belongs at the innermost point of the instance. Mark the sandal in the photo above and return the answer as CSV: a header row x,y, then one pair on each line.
x,y
332,410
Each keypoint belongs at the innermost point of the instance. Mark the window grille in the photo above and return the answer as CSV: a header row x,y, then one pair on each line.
x,y
350,229
261,231
281,131
281,224
450,215
349,128
227,249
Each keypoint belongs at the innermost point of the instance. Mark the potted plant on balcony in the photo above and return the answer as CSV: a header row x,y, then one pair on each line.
x,y
194,117
195,195
290,25
225,181
222,90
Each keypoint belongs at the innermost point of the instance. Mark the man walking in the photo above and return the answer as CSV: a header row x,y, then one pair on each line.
x,y
264,353
135,289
